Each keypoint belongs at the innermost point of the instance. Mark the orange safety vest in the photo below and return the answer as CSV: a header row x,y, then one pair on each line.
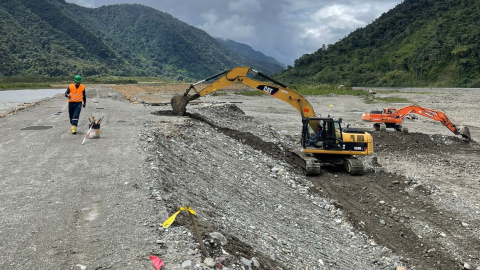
x,y
76,94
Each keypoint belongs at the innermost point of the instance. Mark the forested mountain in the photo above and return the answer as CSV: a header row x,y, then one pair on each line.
x,y
249,51
418,43
54,38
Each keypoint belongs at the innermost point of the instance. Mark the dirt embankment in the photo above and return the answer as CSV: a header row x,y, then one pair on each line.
x,y
236,173
161,93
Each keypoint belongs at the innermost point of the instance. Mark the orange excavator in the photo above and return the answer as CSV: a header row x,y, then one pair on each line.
x,y
393,118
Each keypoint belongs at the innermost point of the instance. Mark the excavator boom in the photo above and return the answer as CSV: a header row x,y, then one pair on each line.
x,y
239,74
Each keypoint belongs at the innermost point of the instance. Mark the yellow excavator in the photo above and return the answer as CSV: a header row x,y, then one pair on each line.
x,y
323,139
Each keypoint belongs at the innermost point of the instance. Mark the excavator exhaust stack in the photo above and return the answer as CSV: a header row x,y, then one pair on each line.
x,y
465,132
179,104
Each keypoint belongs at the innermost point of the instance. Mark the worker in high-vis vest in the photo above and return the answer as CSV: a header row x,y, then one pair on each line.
x,y
76,95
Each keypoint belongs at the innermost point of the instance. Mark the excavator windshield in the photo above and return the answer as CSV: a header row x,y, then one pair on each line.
x,y
328,136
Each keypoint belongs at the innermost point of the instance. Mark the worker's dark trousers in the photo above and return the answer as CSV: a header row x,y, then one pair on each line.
x,y
74,109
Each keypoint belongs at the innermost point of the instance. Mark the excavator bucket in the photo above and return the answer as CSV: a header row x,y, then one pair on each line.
x,y
179,104
465,132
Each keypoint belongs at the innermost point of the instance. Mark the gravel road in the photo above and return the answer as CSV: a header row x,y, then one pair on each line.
x,y
64,205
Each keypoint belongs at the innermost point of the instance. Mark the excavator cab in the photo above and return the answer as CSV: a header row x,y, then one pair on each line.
x,y
389,111
322,133
325,141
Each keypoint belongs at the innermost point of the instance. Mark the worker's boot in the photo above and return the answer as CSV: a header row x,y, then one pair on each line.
x,y
74,130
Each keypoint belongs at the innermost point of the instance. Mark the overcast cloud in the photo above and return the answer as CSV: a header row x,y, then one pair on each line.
x,y
283,29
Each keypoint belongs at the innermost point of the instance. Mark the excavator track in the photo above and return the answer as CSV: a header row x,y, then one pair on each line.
x,y
312,165
308,162
354,166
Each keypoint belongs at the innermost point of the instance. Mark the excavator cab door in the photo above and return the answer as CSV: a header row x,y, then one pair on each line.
x,y
333,135
322,133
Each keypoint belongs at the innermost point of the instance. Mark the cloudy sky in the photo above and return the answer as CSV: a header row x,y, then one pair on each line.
x,y
283,29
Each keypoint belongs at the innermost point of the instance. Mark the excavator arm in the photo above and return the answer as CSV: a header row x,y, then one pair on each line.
x,y
435,115
239,74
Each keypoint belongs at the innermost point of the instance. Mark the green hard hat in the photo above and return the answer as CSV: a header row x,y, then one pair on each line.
x,y
78,78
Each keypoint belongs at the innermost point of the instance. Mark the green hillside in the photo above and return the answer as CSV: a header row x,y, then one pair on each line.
x,y
53,38
418,43
37,38
249,51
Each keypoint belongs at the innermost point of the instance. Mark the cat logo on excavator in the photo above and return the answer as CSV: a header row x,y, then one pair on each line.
x,y
268,89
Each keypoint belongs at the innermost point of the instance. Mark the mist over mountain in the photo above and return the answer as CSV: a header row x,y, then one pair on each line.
x,y
248,51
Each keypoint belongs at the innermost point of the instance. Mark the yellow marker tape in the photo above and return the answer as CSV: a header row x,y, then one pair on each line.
x,y
171,219
331,105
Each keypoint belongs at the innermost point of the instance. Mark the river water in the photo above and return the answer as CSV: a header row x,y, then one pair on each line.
x,y
12,99
19,96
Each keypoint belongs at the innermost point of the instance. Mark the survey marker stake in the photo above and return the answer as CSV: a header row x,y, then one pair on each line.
x,y
197,233
192,214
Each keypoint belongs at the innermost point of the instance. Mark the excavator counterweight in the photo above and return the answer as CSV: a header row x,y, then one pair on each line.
x,y
323,139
